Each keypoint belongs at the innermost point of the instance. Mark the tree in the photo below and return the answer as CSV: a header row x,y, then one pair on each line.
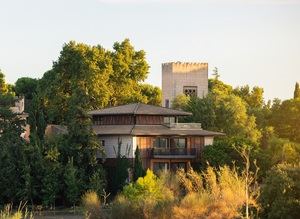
x,y
51,182
26,86
71,183
297,91
37,120
151,93
232,118
79,65
203,110
3,85
120,174
216,74
12,157
98,181
281,191
129,69
138,170
180,102
284,119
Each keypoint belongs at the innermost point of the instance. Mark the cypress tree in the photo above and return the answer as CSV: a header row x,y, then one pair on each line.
x,y
138,170
297,91
71,182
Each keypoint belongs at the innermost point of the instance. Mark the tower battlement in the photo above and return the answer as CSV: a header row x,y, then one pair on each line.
x,y
183,67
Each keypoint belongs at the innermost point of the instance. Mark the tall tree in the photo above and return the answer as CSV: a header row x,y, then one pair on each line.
x,y
297,91
129,69
285,119
138,170
3,85
51,181
151,94
79,65
12,158
71,183
26,86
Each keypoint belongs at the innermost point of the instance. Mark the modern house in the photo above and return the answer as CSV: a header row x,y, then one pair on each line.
x,y
163,142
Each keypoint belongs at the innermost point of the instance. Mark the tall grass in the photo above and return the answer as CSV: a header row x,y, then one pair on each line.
x,y
92,205
20,213
210,194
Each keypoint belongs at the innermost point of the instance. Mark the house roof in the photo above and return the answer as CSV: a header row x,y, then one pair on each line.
x,y
139,109
150,130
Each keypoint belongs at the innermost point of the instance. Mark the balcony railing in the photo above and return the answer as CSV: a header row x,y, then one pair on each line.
x,y
174,152
184,126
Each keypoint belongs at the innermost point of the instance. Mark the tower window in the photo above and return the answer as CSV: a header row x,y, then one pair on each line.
x,y
190,90
167,103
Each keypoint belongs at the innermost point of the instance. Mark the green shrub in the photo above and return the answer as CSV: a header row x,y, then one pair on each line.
x,y
146,198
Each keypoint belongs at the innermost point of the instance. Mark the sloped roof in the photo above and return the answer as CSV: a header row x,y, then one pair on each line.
x,y
139,109
149,130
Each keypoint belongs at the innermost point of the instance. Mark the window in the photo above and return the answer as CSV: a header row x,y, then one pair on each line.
x,y
97,120
160,166
190,90
169,120
178,165
167,103
178,142
102,143
160,143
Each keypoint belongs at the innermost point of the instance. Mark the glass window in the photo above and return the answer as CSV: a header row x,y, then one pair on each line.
x,y
160,143
168,120
167,103
178,165
178,142
160,166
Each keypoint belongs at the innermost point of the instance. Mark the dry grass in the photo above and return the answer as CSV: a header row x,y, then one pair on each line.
x,y
92,205
8,213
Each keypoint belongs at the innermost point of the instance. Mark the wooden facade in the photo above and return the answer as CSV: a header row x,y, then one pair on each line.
x,y
113,120
128,120
146,143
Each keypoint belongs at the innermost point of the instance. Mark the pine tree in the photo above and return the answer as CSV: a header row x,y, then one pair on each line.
x,y
51,177
138,170
120,174
98,181
297,91
70,178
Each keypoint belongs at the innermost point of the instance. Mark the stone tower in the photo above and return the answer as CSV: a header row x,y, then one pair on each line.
x,y
183,78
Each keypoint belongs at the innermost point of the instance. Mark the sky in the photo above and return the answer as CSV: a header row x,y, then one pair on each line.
x,y
255,42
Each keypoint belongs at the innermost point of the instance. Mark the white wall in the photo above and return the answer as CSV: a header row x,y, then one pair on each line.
x,y
208,141
111,142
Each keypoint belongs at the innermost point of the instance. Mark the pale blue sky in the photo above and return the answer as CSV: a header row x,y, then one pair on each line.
x,y
255,42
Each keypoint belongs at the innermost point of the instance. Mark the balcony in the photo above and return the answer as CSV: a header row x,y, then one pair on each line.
x,y
184,126
173,153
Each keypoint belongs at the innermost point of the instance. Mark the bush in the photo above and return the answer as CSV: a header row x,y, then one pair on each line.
x,y
146,198
92,206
